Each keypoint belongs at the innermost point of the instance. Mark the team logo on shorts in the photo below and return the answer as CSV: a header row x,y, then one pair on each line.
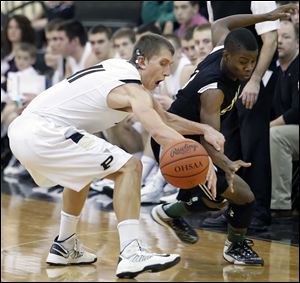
x,y
106,163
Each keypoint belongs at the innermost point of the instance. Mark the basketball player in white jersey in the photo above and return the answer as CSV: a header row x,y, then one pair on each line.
x,y
53,139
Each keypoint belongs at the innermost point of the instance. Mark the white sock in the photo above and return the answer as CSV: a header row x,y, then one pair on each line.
x,y
68,225
128,231
148,164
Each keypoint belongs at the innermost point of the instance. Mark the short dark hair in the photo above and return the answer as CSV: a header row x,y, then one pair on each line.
x,y
101,29
74,28
149,45
240,38
53,25
188,35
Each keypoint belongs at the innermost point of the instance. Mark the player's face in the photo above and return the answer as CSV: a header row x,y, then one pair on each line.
x,y
154,70
241,64
124,47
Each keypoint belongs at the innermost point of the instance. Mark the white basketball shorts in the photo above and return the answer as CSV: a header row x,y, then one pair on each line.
x,y
56,155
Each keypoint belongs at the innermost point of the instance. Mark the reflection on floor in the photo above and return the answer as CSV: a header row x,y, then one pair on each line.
x,y
284,230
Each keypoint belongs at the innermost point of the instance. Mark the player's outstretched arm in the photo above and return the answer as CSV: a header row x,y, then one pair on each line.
x,y
142,106
222,27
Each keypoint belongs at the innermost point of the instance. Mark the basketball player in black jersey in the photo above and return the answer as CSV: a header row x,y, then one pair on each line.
x,y
209,97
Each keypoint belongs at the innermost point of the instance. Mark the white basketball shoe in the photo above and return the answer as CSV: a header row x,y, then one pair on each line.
x,y
69,252
134,259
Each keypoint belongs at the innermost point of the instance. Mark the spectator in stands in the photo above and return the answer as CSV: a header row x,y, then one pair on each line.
x,y
160,13
16,30
22,87
73,45
203,41
187,15
123,41
100,39
53,56
188,46
284,127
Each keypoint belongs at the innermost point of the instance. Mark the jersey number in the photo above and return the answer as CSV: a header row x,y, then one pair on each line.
x,y
84,72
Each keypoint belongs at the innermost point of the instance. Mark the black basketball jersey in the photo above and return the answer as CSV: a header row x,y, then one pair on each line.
x,y
208,75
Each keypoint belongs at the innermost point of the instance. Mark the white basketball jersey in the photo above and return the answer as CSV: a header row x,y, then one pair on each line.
x,y
80,100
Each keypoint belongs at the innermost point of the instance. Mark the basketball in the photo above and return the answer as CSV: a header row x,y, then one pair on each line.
x,y
184,163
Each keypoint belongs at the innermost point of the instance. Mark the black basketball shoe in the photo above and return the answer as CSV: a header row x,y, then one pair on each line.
x,y
178,226
241,253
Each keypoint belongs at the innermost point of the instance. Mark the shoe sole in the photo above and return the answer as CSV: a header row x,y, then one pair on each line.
x,y
150,268
159,221
71,263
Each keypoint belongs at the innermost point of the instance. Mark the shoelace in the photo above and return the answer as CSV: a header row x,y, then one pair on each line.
x,y
77,250
143,247
244,248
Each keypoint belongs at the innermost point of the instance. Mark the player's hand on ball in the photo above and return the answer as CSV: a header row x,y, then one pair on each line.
x,y
215,138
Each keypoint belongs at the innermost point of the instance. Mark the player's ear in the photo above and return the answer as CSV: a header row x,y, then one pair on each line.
x,y
141,62
226,55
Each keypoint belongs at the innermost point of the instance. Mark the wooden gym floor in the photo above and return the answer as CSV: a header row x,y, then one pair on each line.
x,y
30,221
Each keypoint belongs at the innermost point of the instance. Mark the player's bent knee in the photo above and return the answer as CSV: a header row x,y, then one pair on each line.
x,y
133,165
240,194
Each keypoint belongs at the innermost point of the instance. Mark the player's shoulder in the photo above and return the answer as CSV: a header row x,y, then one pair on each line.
x,y
120,64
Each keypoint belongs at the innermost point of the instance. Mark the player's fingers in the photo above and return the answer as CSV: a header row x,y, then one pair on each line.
x,y
211,183
244,164
213,188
